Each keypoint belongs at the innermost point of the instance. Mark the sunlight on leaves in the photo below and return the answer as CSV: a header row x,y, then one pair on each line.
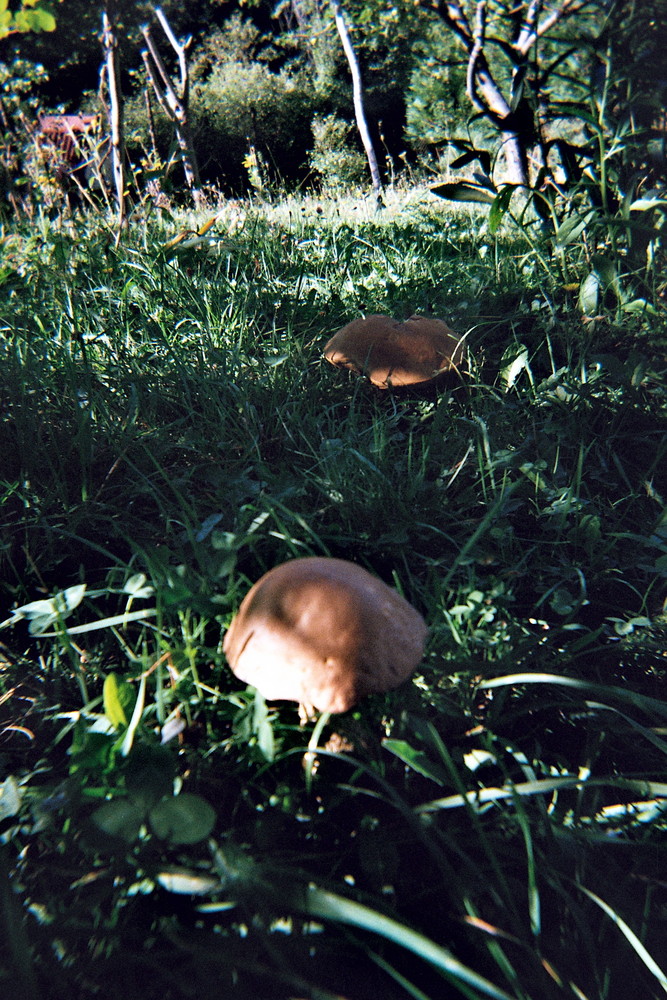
x,y
42,614
118,698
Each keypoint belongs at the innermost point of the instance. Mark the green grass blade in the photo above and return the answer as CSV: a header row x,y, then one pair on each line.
x,y
128,739
327,905
631,937
653,705
132,616
481,796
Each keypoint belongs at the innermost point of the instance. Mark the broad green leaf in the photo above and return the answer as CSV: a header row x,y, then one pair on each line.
x,y
136,586
42,20
277,360
120,818
471,155
499,207
639,306
644,204
117,696
150,774
10,798
511,372
184,819
416,759
478,758
465,191
136,718
261,725
43,613
563,602
606,270
571,229
464,159
62,604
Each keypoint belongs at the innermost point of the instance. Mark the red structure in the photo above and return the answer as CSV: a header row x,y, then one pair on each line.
x,y
64,133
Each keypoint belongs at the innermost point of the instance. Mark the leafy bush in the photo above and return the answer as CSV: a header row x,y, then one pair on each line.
x,y
20,105
334,157
241,105
249,122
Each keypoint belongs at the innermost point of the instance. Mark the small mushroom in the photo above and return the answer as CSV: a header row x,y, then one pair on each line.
x,y
396,354
325,633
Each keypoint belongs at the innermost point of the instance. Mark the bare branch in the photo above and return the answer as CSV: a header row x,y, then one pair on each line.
x,y
157,84
453,15
115,110
179,49
527,33
475,52
162,84
174,105
532,28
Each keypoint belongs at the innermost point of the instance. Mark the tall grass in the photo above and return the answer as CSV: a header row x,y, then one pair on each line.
x,y
169,431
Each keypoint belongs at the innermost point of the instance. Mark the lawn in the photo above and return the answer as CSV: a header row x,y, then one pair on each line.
x,y
169,431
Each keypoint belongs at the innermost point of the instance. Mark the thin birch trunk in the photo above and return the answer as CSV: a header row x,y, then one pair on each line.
x,y
115,110
358,98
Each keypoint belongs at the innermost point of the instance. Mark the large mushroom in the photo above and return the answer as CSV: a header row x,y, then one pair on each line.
x,y
324,633
394,354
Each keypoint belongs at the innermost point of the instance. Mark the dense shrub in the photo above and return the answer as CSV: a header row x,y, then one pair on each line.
x,y
18,113
334,157
240,106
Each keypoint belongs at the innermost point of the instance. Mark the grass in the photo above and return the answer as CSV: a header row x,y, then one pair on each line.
x,y
169,432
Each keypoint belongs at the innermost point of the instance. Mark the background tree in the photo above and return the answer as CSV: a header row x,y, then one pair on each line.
x,y
110,83
504,69
358,97
174,98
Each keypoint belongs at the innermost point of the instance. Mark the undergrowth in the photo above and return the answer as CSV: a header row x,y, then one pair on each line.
x,y
169,432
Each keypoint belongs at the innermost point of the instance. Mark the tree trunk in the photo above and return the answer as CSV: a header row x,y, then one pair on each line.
x,y
115,109
512,117
174,102
358,98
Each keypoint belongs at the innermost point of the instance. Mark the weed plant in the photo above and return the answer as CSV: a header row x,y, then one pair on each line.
x,y
169,431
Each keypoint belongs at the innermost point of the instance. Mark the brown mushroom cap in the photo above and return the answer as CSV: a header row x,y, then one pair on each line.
x,y
396,354
323,632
